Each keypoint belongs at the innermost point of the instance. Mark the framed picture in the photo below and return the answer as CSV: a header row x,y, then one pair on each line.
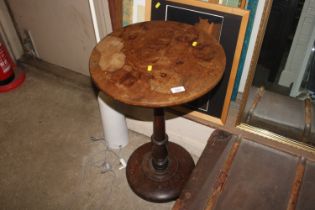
x,y
213,106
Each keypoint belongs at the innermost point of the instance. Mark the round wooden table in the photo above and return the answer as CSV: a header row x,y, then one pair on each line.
x,y
158,64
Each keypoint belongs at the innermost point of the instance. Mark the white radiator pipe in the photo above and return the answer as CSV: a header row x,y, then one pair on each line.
x,y
114,123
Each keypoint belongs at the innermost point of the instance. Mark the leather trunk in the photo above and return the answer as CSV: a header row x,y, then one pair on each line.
x,y
240,174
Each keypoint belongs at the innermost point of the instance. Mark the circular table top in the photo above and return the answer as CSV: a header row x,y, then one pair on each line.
x,y
157,64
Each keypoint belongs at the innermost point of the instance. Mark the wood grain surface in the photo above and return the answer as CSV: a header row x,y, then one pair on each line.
x,y
120,64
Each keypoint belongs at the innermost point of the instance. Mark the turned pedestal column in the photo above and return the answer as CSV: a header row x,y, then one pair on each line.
x,y
157,171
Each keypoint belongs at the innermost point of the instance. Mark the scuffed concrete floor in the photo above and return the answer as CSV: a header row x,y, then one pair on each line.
x,y
47,160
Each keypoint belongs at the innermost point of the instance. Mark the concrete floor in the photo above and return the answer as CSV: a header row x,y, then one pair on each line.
x,y
47,160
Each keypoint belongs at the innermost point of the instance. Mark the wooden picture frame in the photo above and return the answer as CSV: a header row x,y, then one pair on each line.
x,y
232,33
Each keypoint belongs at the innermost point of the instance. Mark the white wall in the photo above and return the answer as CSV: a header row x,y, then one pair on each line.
x,y
299,48
62,30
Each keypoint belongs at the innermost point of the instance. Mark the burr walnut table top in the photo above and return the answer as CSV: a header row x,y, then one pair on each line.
x,y
141,63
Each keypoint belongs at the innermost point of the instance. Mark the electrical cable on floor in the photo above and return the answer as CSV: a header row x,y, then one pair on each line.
x,y
107,166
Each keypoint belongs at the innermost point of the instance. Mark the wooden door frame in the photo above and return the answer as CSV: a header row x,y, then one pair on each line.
x,y
116,13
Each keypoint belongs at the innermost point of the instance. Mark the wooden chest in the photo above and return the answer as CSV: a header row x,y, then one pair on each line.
x,y
281,114
234,173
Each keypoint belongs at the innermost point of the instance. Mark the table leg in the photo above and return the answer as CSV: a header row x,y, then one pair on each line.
x,y
159,141
157,171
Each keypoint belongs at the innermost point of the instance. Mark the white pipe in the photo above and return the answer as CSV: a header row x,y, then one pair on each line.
x,y
114,123
94,20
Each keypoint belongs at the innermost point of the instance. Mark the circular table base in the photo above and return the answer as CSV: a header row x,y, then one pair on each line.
x,y
159,186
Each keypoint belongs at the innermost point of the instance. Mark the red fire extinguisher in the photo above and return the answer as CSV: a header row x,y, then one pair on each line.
x,y
9,77
6,66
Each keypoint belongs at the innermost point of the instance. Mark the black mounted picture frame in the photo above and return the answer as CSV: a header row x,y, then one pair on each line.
x,y
214,105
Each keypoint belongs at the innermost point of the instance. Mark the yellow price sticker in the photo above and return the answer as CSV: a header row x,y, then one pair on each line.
x,y
157,5
149,68
194,44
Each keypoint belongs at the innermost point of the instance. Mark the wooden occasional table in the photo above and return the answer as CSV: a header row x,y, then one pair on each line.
x,y
158,64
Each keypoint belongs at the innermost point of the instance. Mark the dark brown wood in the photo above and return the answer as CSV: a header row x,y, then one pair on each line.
x,y
159,185
308,120
159,141
205,172
157,171
260,178
257,177
306,199
139,65
116,13
220,182
119,63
